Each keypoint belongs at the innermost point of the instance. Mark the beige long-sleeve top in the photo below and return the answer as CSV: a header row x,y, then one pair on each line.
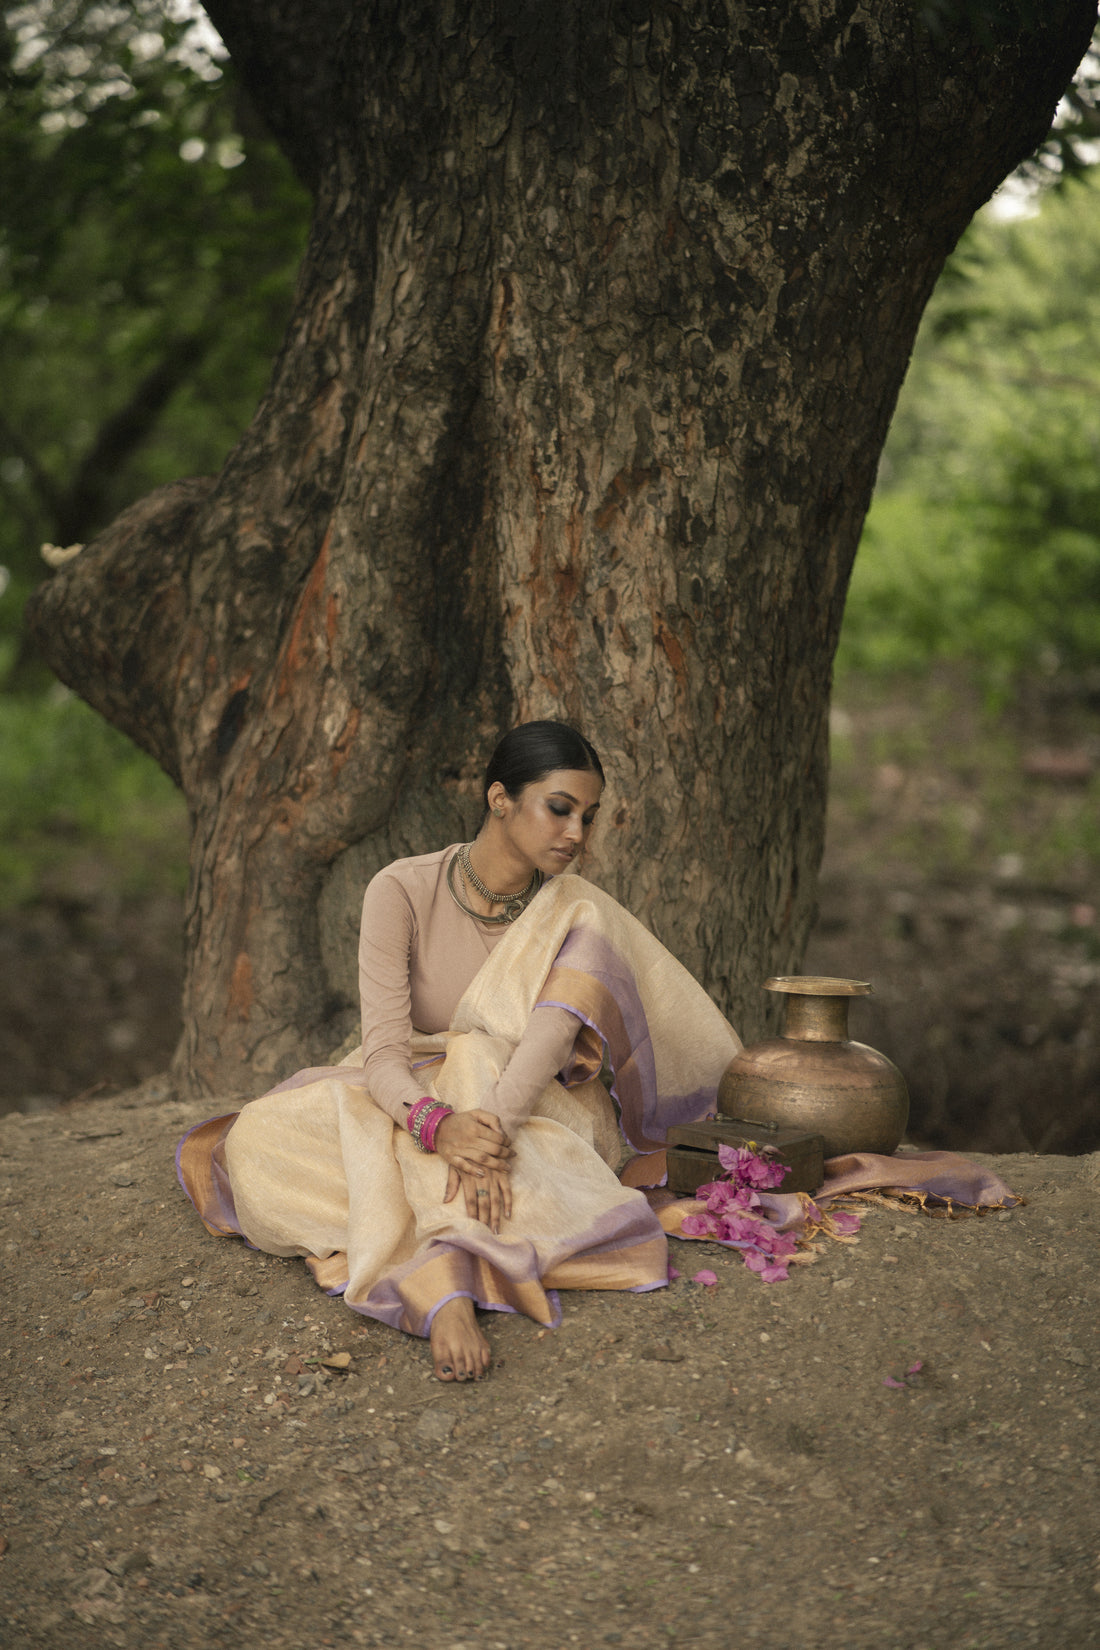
x,y
417,954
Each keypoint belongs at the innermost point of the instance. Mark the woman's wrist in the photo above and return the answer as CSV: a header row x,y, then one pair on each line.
x,y
424,1119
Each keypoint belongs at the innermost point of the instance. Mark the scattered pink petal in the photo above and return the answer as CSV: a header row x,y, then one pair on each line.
x,y
769,1270
915,1369
695,1226
672,1273
844,1222
706,1277
898,1386
740,1229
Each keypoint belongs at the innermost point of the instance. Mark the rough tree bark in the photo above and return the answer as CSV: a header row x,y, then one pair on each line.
x,y
597,338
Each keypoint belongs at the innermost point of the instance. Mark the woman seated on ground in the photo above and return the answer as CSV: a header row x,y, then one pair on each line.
x,y
464,1156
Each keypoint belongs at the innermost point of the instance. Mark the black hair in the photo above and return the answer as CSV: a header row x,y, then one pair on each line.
x,y
534,749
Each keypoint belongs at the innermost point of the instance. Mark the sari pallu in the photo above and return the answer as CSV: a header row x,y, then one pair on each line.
x,y
316,1169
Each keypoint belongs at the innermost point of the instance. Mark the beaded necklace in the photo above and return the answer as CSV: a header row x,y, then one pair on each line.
x,y
514,904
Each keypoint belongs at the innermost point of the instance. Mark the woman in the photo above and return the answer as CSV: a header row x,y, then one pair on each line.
x,y
464,1155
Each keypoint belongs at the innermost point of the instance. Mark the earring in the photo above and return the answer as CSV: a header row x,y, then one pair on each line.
x,y
498,813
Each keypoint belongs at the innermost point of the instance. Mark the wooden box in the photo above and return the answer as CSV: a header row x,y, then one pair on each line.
x,y
693,1153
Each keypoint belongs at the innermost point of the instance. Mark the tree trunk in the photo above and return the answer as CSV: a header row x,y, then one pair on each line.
x,y
597,339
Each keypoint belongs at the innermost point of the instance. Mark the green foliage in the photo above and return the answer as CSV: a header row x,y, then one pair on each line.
x,y
149,239
150,233
79,801
983,541
910,597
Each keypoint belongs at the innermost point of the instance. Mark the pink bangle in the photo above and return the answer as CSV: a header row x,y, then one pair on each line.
x,y
430,1127
417,1107
424,1119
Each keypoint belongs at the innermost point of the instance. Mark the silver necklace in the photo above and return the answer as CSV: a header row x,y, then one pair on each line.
x,y
514,904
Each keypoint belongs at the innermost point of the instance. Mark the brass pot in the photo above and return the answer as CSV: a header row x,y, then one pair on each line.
x,y
814,1078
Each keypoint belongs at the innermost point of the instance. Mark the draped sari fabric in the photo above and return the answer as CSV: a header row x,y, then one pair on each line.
x,y
316,1169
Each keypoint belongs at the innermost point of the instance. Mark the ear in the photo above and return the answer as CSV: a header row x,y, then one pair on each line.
x,y
497,797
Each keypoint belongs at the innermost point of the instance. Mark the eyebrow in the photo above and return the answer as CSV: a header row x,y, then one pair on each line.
x,y
568,797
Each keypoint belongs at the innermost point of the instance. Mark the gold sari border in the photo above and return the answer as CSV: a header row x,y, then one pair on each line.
x,y
200,1170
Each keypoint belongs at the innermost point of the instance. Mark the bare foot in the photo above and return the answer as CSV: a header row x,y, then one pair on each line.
x,y
460,1351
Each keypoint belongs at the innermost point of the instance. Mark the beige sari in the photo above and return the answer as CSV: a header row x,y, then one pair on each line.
x,y
316,1169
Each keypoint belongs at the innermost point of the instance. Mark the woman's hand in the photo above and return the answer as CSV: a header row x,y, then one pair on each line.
x,y
488,1197
474,1143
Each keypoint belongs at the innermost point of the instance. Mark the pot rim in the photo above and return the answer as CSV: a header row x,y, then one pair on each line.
x,y
818,985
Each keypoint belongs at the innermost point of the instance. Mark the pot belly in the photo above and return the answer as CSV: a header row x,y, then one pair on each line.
x,y
850,1094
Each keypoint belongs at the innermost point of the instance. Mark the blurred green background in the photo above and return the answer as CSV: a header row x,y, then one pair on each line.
x,y
149,242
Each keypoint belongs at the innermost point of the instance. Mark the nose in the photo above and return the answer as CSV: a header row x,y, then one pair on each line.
x,y
574,830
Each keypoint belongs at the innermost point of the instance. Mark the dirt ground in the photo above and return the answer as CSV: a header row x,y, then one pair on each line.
x,y
703,1466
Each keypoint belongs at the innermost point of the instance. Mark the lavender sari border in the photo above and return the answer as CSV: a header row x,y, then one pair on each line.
x,y
392,1312
484,1306
681,1108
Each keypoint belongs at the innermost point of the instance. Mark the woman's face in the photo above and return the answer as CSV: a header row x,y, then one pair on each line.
x,y
550,821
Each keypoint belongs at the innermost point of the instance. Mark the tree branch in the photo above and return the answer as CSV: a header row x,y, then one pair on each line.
x,y
49,494
111,622
79,510
284,52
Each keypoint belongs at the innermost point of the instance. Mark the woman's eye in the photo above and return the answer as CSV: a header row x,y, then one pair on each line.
x,y
562,813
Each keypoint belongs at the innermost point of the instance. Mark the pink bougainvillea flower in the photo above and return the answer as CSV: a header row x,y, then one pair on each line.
x,y
742,1201
728,1211
749,1169
843,1222
672,1273
768,1270
721,1196
740,1229
695,1226
713,1198
907,1379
